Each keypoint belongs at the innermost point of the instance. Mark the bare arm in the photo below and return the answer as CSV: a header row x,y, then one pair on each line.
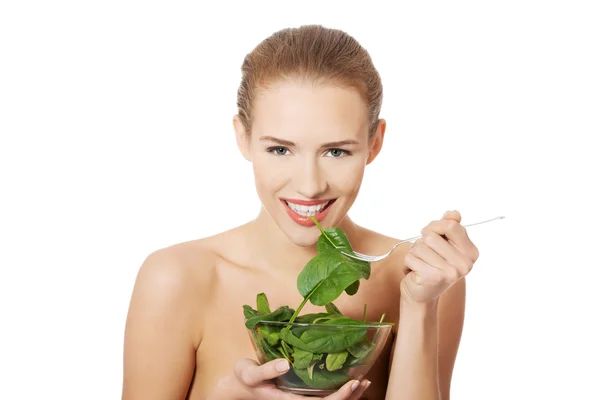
x,y
426,346
451,316
159,353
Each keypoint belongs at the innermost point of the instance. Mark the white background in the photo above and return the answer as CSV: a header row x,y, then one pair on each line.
x,y
116,140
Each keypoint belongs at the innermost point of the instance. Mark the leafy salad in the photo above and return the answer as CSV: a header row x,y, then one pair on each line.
x,y
321,347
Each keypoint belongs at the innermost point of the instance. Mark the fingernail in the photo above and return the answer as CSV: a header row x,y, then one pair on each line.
x,y
368,384
282,365
355,385
447,212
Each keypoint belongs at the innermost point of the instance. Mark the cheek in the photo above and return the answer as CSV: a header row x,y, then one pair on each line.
x,y
347,177
267,176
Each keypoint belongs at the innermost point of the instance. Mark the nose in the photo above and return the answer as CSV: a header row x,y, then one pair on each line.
x,y
310,179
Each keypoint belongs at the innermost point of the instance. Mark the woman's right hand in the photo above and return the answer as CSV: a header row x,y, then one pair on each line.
x,y
250,380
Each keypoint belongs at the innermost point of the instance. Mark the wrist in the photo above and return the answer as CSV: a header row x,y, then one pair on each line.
x,y
421,308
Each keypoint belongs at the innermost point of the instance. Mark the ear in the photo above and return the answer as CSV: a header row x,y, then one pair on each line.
x,y
242,137
376,141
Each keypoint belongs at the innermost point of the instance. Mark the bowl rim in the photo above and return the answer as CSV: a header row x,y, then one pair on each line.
x,y
366,325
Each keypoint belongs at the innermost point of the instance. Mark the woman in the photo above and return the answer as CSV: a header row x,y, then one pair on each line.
x,y
309,123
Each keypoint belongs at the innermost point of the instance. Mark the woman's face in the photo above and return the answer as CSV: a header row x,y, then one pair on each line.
x,y
309,147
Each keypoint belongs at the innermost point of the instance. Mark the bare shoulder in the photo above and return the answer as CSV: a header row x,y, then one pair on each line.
x,y
171,282
164,324
179,265
189,263
181,275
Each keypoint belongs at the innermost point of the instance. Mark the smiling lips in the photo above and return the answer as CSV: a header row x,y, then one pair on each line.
x,y
301,210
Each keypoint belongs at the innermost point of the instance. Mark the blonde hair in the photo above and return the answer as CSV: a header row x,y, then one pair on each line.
x,y
310,52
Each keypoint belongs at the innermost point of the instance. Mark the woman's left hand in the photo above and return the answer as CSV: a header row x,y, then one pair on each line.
x,y
438,260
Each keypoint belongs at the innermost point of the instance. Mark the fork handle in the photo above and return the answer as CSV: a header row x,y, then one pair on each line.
x,y
417,237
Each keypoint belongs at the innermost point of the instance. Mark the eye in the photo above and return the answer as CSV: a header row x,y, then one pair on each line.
x,y
338,153
278,150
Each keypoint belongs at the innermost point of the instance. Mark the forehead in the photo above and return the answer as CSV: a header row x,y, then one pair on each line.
x,y
295,110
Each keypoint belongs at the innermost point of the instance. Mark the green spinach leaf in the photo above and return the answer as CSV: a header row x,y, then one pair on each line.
x,y
328,274
362,348
262,304
335,361
249,312
332,238
271,352
283,313
353,288
310,318
332,309
318,378
302,358
318,341
270,334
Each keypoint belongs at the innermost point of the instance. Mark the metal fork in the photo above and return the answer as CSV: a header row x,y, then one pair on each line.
x,y
370,259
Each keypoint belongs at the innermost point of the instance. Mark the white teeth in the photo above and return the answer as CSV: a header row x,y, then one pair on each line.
x,y
306,211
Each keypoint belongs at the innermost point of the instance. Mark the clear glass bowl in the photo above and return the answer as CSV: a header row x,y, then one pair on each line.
x,y
323,357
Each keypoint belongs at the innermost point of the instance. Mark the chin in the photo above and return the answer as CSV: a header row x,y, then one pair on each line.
x,y
304,239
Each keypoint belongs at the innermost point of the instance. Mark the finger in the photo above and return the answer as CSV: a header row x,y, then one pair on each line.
x,y
271,392
362,388
421,250
406,269
452,214
451,228
347,391
250,373
423,272
352,390
452,257
456,235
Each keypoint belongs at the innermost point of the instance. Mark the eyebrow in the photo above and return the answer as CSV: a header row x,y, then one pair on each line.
x,y
284,142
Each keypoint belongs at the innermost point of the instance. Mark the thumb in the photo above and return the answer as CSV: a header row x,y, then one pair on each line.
x,y
452,214
250,373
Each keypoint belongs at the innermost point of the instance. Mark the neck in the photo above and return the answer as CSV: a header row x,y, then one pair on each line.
x,y
276,249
